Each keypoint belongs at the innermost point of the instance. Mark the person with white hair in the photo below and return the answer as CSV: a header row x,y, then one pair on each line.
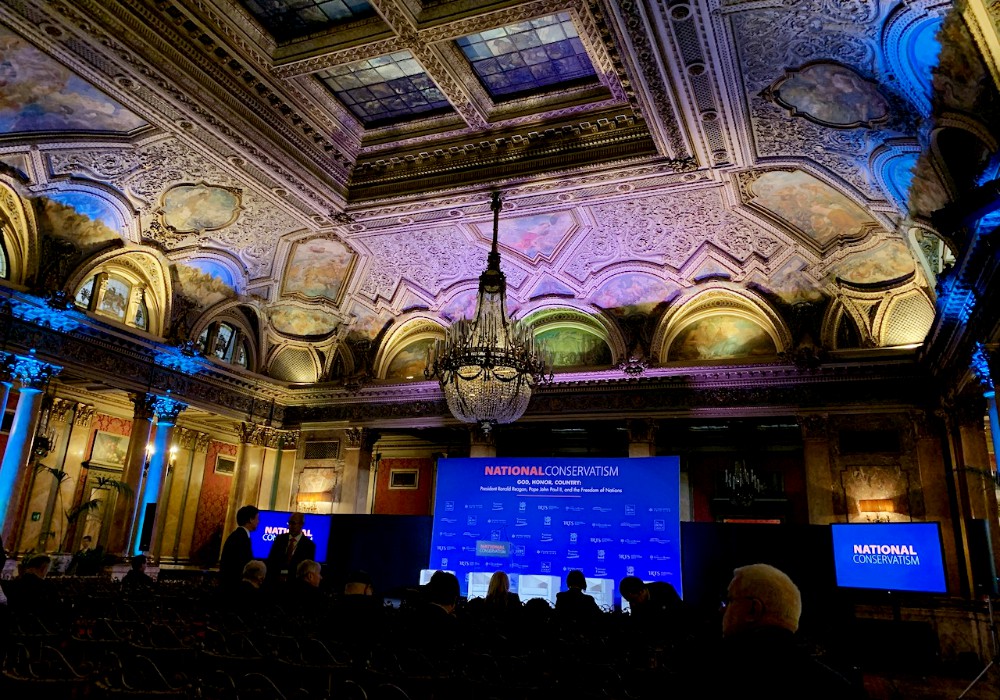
x,y
762,656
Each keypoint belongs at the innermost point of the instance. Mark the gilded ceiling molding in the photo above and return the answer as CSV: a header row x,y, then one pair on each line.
x,y
983,20
174,107
17,222
570,189
902,28
168,35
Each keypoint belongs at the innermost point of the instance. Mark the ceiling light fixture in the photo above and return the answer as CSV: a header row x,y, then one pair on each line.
x,y
488,366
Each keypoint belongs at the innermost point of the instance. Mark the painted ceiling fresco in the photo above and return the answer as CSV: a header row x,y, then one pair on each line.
x,y
533,237
811,206
318,269
408,364
83,219
199,207
721,336
631,293
205,283
832,95
38,94
794,193
293,320
572,347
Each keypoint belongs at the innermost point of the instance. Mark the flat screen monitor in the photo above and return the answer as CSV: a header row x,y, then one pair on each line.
x,y
275,522
479,584
538,586
603,592
889,557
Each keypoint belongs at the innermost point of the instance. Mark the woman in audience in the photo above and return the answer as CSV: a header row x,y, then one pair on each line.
x,y
499,601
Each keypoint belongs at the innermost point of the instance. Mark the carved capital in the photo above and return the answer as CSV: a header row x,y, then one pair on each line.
x,y
252,434
641,430
167,408
354,437
815,426
143,405
84,415
282,439
979,363
32,373
185,438
201,441
479,438
60,410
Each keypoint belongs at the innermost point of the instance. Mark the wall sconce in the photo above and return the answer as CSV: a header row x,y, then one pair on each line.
x,y
173,456
878,509
150,451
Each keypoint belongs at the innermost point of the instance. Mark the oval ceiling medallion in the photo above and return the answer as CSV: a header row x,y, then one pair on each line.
x,y
201,207
830,94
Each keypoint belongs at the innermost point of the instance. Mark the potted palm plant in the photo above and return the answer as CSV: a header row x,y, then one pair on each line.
x,y
62,556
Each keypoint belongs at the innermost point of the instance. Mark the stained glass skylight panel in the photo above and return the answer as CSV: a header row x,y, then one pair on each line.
x,y
292,19
528,56
384,89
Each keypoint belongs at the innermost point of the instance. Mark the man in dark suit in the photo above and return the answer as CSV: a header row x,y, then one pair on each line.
x,y
237,550
288,550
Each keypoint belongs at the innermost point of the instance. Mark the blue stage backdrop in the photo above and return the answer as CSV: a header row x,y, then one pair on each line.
x,y
275,522
540,518
889,556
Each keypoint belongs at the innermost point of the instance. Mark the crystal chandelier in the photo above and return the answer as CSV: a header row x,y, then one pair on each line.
x,y
488,366
743,484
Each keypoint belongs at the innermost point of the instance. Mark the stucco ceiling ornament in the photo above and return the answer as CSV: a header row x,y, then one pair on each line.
x,y
668,229
771,39
430,259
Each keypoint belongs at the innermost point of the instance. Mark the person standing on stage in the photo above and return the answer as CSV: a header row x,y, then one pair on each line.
x,y
237,550
288,550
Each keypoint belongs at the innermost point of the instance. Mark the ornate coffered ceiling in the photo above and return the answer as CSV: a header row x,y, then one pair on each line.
x,y
756,149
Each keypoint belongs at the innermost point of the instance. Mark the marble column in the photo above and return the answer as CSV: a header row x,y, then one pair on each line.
x,y
32,374
124,518
819,475
480,444
930,458
280,491
358,443
196,445
251,452
641,438
166,409
979,487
